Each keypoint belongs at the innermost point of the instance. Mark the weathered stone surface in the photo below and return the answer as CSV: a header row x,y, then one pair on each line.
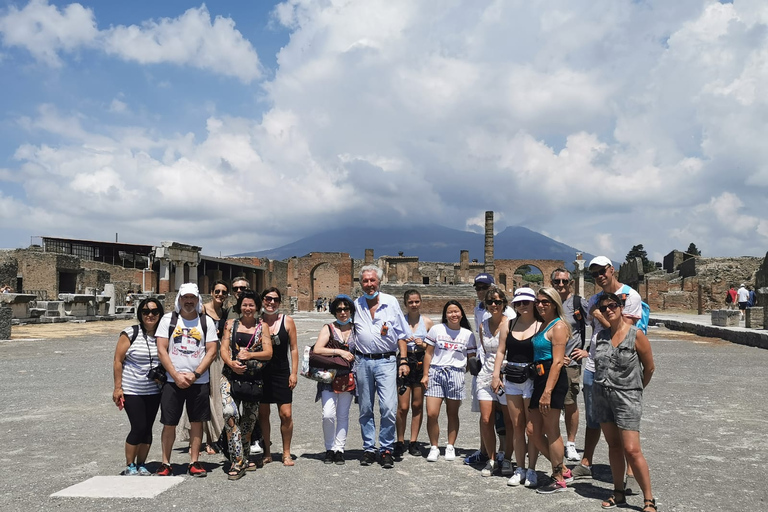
x,y
5,323
725,317
18,302
753,318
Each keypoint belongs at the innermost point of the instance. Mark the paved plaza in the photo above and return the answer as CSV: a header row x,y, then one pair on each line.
x,y
704,434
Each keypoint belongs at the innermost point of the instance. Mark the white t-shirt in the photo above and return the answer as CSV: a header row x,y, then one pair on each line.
x,y
451,346
743,294
633,309
186,346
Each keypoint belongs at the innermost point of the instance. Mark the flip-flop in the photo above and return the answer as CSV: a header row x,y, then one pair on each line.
x,y
236,473
288,461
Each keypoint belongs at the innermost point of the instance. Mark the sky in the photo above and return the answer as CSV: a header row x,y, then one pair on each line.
x,y
241,126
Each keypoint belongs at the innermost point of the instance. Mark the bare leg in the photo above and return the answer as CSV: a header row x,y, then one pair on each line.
x,y
452,411
555,442
168,437
433,412
591,438
537,433
196,437
571,422
615,454
264,412
516,407
487,432
417,412
141,453
636,459
130,453
509,438
286,431
403,403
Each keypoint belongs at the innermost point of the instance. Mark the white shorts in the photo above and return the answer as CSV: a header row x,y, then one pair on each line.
x,y
513,389
487,394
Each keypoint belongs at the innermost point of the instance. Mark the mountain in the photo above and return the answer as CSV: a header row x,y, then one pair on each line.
x,y
430,243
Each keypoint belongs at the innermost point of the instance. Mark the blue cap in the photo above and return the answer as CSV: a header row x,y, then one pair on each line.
x,y
484,279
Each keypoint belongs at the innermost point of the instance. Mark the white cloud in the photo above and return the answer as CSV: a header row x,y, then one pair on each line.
x,y
118,107
191,39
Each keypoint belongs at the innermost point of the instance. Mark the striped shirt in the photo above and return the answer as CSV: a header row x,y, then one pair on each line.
x,y
141,356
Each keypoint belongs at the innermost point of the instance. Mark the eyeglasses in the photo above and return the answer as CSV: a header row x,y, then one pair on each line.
x,y
239,288
269,298
494,302
561,281
147,311
599,273
542,302
606,307
523,303
482,287
220,292
342,309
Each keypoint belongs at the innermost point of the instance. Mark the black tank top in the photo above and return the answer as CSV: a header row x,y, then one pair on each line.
x,y
518,351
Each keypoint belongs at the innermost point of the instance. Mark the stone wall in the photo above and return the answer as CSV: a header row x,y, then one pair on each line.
x,y
319,274
40,271
9,269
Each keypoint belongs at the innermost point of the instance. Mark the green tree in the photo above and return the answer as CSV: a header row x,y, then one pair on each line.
x,y
523,270
638,251
692,249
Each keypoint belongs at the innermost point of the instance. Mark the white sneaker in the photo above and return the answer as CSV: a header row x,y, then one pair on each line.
x,y
256,448
488,469
531,480
517,478
571,453
450,452
434,453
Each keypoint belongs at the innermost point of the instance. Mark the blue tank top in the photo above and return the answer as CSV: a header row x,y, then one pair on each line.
x,y
542,347
420,332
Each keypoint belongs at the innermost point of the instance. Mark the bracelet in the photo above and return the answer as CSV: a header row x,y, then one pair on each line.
x,y
403,364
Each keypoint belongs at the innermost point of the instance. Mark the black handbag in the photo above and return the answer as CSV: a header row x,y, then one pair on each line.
x,y
517,374
247,390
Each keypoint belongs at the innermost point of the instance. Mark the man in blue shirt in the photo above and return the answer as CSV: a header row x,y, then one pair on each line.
x,y
380,330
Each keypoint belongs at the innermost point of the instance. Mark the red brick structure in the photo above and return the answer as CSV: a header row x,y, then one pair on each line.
x,y
505,271
319,274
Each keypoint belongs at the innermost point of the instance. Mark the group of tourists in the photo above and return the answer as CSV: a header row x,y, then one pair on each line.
x,y
525,361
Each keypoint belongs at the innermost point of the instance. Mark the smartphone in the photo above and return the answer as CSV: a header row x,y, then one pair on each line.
x,y
121,403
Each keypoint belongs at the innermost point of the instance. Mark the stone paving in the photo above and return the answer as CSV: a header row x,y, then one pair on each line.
x,y
703,433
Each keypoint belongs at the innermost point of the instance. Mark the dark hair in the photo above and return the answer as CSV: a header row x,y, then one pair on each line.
x,y
270,290
559,270
495,290
338,300
220,282
144,303
410,292
249,294
463,322
611,296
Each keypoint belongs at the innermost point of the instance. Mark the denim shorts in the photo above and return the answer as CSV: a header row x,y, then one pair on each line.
x,y
619,406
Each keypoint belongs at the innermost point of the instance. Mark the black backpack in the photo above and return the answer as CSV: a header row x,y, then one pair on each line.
x,y
581,316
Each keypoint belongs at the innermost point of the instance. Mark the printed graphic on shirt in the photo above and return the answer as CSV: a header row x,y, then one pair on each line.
x,y
187,342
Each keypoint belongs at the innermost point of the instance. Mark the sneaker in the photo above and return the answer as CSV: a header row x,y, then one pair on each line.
x,y
630,484
164,470
197,470
387,462
581,471
256,448
568,475
130,470
517,478
143,471
329,457
399,449
571,453
531,479
499,458
368,458
338,459
413,449
434,453
552,487
477,457
450,452
490,466
506,468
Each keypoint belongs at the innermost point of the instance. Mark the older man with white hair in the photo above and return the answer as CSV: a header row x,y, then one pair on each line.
x,y
186,346
380,331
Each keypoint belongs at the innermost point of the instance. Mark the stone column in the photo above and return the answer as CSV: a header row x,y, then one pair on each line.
x,y
490,267
368,257
192,272
164,286
578,271
5,322
109,291
178,275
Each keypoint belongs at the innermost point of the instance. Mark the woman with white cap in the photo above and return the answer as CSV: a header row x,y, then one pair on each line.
x,y
516,347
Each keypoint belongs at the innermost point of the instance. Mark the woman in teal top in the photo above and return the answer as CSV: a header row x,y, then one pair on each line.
x,y
550,385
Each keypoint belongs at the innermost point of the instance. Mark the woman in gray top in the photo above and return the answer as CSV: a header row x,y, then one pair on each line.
x,y
623,367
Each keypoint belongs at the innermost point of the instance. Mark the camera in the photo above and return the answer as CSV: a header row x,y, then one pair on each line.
x,y
157,373
402,388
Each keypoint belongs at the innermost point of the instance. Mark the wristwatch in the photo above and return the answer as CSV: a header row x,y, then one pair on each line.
x,y
197,375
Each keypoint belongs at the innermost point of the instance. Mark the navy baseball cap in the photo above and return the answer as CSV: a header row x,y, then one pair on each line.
x,y
484,279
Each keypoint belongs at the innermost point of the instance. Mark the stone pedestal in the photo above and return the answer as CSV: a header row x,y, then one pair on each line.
x,y
18,302
725,317
5,322
76,304
753,318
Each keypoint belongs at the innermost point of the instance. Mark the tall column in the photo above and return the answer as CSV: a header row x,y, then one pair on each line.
x,y
178,275
368,257
192,272
490,268
578,266
164,286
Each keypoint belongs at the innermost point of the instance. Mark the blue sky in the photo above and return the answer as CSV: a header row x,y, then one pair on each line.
x,y
245,125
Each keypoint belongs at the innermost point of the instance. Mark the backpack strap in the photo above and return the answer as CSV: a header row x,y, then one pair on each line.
x,y
135,333
582,315
233,333
175,320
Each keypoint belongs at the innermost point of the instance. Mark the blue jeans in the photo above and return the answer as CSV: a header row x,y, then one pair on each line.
x,y
588,379
377,376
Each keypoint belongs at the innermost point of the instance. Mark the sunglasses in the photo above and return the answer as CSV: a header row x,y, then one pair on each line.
x,y
342,309
606,307
494,302
482,288
239,288
269,298
147,311
561,281
542,302
220,292
599,273
523,303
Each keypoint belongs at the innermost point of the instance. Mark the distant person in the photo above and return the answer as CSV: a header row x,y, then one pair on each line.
x,y
135,390
319,304
731,297
743,298
752,297
6,289
186,349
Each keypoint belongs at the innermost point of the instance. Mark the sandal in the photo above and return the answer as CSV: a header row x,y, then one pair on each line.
x,y
613,501
251,466
267,460
650,505
236,472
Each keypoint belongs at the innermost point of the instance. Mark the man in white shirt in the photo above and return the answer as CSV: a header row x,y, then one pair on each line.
x,y
742,295
186,349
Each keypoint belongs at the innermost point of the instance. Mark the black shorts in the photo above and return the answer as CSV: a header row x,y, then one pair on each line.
x,y
276,388
173,399
558,392
743,305
416,369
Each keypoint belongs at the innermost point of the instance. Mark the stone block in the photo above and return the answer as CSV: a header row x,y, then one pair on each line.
x,y
753,318
6,316
725,317
18,302
53,308
76,304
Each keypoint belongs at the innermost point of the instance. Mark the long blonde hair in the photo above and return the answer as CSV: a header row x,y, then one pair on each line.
x,y
554,297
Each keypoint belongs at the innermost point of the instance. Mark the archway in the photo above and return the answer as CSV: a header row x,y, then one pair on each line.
x,y
324,282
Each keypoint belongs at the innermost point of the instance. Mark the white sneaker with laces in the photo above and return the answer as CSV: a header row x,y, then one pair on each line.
x,y
571,453
517,478
531,480
488,469
256,448
434,453
450,452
